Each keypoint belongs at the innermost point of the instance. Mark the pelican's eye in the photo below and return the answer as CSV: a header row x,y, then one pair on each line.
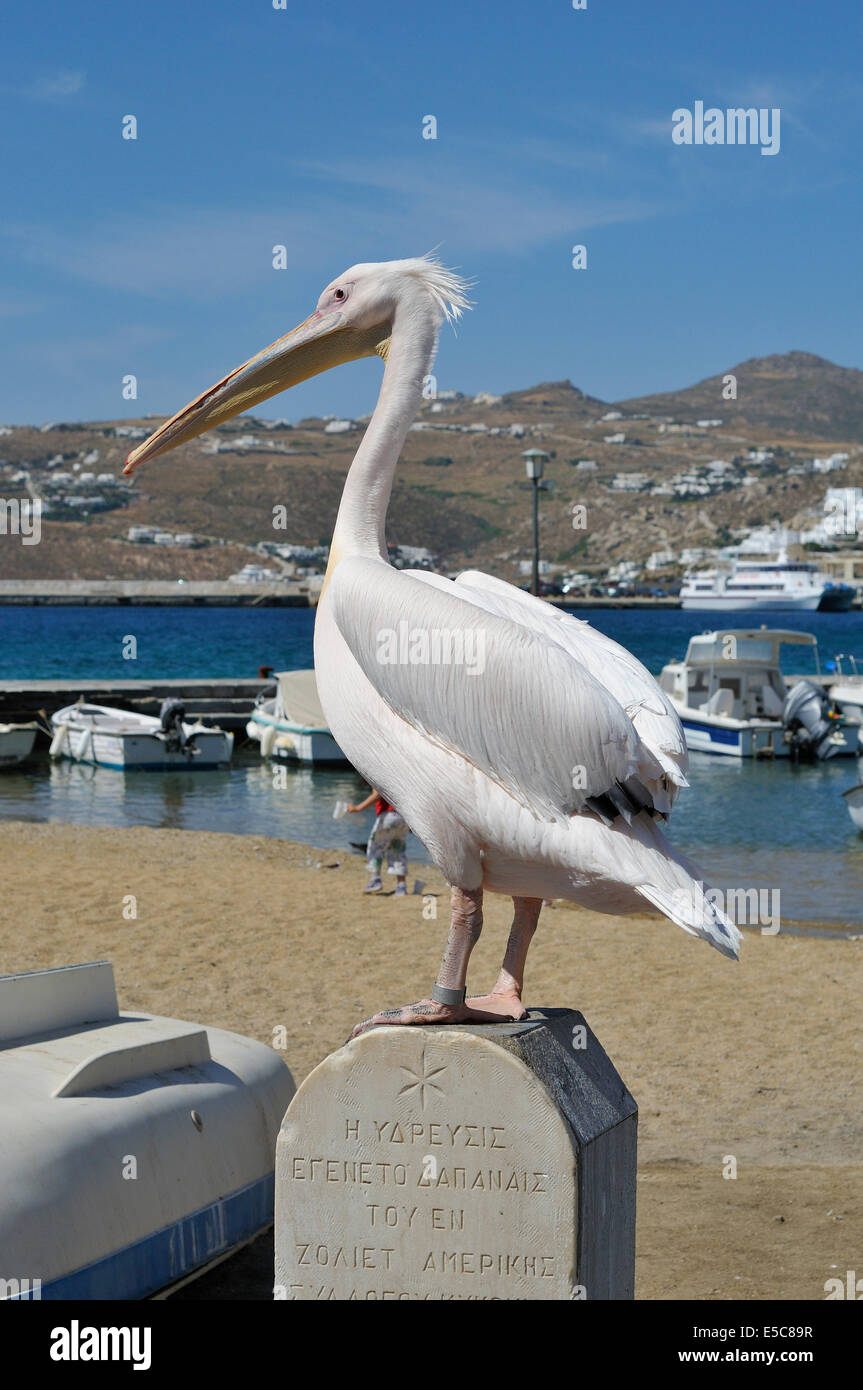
x,y
340,294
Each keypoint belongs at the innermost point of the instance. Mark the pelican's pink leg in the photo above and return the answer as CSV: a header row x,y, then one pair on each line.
x,y
505,998
464,933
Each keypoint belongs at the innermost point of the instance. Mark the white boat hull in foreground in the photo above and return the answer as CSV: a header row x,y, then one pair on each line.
x,y
135,1150
130,742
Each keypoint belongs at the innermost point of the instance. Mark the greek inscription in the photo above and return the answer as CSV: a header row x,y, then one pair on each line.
x,y
440,1135
352,1257
468,1262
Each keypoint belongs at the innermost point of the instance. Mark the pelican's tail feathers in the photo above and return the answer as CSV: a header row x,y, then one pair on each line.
x,y
692,908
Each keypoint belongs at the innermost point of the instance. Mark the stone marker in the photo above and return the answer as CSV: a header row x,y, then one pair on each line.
x,y
464,1161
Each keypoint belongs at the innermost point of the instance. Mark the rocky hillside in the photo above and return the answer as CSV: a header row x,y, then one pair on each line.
x,y
793,391
647,474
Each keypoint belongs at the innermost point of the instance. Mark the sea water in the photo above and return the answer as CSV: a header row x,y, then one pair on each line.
x,y
748,825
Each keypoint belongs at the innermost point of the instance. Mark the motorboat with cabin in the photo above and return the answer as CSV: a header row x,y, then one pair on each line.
x,y
128,741
733,700
289,723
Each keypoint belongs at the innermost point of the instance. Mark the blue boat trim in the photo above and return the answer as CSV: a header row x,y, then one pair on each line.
x,y
270,722
173,1252
727,736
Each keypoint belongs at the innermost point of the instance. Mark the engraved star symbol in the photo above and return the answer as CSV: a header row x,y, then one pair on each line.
x,y
421,1080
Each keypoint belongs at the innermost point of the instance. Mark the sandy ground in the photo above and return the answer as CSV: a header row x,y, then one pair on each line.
x,y
760,1061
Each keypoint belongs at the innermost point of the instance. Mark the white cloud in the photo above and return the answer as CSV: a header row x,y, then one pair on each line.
x,y
56,86
207,254
345,214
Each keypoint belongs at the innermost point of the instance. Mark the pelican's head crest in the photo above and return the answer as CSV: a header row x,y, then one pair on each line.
x,y
374,291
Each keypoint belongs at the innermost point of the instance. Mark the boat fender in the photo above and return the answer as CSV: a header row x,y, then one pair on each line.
x,y
59,742
83,746
268,738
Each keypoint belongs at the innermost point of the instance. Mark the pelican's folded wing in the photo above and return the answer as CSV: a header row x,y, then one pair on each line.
x,y
518,706
622,674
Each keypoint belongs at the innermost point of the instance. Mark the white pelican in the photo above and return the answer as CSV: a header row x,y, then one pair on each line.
x,y
531,755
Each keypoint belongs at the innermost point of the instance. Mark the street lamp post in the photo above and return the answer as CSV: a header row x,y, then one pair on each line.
x,y
534,463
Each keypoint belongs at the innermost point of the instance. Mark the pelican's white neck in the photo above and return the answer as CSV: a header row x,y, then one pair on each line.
x,y
361,523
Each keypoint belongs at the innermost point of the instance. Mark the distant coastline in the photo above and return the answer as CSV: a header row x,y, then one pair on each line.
x,y
154,593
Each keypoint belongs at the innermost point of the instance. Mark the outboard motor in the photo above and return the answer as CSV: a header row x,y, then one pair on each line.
x,y
171,716
809,721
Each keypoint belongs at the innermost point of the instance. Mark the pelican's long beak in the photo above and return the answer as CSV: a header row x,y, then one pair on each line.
x,y
324,340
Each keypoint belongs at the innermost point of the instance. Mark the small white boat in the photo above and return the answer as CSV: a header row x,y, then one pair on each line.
x,y
16,743
126,741
135,1150
291,724
847,690
854,801
733,700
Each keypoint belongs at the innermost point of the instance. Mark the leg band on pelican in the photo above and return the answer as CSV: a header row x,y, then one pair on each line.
x,y
441,995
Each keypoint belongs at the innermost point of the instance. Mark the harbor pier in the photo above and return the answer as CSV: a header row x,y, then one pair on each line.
x,y
155,593
227,702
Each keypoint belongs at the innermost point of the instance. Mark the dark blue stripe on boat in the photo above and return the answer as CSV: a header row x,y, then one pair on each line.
x,y
173,1252
730,736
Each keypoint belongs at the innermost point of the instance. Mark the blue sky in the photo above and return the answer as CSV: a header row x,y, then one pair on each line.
x,y
303,127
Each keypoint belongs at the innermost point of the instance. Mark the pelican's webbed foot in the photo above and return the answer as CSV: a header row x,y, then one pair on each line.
x,y
502,1005
486,1008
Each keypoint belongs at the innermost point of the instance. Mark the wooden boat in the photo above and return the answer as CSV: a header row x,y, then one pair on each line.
x,y
135,1150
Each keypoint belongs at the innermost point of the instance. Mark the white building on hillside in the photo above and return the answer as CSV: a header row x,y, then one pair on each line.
x,y
829,464
629,482
660,560
625,570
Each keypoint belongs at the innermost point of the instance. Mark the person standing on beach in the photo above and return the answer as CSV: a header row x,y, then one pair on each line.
x,y
388,838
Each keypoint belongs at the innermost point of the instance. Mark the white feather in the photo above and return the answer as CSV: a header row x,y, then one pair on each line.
x,y
466,764
489,710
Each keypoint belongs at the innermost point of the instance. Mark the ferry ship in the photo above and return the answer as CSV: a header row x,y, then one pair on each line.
x,y
778,585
